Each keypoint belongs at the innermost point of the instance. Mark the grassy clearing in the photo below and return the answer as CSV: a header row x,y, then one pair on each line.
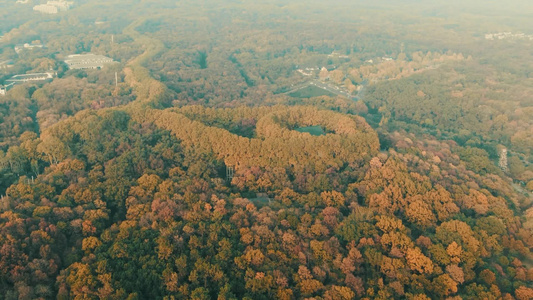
x,y
313,130
310,92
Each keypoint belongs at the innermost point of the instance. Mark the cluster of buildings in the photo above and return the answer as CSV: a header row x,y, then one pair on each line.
x,y
307,71
383,58
316,70
27,46
87,61
53,7
508,35
23,78
335,54
6,64
74,61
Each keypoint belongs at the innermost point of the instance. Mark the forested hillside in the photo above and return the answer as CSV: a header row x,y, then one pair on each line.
x,y
201,165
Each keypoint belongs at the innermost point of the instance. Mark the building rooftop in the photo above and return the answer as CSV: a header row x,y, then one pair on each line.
x,y
21,78
6,63
87,61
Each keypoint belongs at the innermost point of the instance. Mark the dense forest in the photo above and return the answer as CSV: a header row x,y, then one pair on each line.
x,y
268,150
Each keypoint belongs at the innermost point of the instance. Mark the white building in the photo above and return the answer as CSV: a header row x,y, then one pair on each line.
x,y
46,9
87,61
53,7
5,88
